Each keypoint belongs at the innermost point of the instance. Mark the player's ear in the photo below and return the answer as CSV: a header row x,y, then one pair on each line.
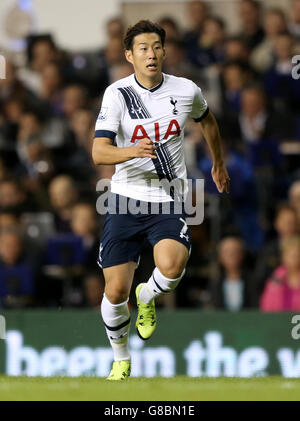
x,y
164,53
128,55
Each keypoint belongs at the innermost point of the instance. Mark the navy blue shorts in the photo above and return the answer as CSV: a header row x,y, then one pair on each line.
x,y
123,236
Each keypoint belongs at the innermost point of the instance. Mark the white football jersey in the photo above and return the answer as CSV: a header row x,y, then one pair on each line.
x,y
131,112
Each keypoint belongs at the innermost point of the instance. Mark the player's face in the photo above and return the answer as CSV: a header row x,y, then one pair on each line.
x,y
147,55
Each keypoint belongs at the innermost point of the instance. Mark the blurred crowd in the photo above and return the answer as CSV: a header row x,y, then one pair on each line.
x,y
246,253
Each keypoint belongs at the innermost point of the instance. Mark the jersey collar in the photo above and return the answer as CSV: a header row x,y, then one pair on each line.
x,y
152,89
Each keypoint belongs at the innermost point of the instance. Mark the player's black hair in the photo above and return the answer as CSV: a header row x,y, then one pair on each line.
x,y
142,27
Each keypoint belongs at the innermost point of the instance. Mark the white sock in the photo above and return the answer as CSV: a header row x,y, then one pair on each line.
x,y
116,318
158,284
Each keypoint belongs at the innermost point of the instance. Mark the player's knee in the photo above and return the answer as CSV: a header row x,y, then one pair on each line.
x,y
116,294
170,273
171,269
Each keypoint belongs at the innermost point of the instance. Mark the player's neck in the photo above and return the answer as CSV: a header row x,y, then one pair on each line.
x,y
149,83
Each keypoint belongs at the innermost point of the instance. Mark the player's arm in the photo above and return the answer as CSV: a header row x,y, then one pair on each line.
x,y
210,130
105,153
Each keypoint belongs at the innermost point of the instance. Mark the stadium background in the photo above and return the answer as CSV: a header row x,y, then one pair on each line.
x,y
246,254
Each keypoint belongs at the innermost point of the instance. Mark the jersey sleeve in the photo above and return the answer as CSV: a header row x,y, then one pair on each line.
x,y
200,108
108,121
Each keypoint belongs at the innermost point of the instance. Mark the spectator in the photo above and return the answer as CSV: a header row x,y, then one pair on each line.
x,y
14,198
212,39
74,98
13,109
115,28
63,195
262,128
175,62
41,51
80,138
197,13
14,98
294,198
282,290
242,211
51,87
9,221
36,169
236,50
114,55
230,290
253,115
82,125
11,87
171,27
75,255
250,16
278,80
36,161
91,68
274,24
236,75
16,275
286,226
30,126
84,225
294,25
37,124
257,132
5,173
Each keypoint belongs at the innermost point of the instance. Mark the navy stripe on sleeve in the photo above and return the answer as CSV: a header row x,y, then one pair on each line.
x,y
197,120
105,133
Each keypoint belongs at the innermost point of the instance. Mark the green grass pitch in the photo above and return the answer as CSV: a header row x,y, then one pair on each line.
x,y
180,388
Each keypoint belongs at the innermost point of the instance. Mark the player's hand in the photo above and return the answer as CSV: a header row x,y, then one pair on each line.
x,y
220,177
145,149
